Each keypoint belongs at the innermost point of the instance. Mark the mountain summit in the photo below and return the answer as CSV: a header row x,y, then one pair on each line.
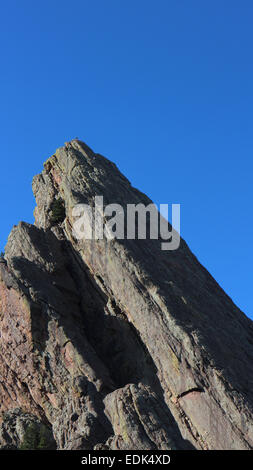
x,y
115,344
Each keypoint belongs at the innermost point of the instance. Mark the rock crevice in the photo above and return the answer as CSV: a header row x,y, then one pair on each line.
x,y
115,343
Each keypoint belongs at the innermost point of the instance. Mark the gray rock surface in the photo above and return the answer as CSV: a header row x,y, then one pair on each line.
x,y
117,343
14,427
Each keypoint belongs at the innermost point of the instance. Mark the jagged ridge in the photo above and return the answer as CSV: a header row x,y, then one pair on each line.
x,y
117,344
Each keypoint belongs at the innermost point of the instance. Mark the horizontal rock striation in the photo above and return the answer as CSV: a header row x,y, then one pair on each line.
x,y
117,344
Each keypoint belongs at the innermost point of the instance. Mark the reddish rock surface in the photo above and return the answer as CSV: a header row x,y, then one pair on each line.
x,y
115,343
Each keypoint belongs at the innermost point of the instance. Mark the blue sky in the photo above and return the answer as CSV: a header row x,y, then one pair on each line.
x,y
163,88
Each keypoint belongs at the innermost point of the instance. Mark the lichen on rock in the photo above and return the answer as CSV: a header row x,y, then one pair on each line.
x,y
96,342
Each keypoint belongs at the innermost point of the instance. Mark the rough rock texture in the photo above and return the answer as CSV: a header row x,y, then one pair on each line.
x,y
116,343
14,427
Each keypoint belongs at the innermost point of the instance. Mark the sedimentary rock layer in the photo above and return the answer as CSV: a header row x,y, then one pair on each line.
x,y
115,343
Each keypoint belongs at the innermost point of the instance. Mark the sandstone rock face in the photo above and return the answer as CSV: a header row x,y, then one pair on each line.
x,y
117,344
14,431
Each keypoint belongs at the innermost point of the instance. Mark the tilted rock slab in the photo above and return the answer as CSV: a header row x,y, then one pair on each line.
x,y
115,343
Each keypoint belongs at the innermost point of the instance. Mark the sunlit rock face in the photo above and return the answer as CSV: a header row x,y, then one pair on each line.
x,y
116,344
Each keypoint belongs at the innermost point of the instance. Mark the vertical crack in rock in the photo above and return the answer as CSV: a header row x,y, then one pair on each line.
x,y
116,344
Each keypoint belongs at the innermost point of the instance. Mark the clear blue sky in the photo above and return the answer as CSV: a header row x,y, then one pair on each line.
x,y
163,88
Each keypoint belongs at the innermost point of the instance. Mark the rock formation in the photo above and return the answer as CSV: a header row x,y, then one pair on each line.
x,y
116,344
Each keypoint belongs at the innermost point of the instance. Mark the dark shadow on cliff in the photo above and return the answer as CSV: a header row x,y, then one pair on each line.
x,y
68,295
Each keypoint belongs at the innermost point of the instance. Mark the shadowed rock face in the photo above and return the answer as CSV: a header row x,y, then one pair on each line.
x,y
117,344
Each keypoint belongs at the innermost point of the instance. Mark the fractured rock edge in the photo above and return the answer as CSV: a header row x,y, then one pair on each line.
x,y
118,344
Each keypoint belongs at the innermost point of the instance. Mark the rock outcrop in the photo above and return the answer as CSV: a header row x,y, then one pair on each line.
x,y
20,430
117,344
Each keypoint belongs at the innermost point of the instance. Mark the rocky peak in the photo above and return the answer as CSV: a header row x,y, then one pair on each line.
x,y
115,343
